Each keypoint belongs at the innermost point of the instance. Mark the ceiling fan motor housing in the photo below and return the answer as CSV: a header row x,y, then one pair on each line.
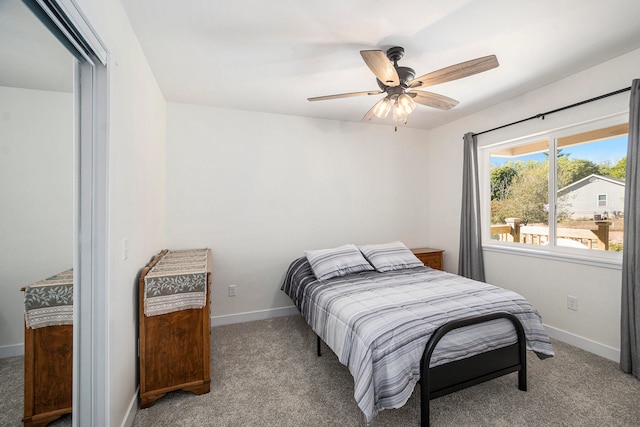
x,y
405,74
395,53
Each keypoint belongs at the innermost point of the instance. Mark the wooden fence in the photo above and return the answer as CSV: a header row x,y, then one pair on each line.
x,y
514,231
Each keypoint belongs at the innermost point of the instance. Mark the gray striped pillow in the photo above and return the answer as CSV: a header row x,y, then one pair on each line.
x,y
390,256
335,262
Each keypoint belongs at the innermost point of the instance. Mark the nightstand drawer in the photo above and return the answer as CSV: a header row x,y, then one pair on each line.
x,y
430,257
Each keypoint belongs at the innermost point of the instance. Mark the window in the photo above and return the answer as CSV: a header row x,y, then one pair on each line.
x,y
541,190
602,200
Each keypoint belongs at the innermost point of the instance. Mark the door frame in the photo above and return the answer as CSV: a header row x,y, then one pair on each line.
x,y
91,207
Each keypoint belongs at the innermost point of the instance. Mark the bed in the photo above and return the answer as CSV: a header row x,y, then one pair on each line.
x,y
392,321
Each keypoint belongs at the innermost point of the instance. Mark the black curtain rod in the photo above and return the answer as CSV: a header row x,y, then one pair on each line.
x,y
542,115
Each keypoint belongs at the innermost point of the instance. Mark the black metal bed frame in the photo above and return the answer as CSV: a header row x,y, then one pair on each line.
x,y
457,375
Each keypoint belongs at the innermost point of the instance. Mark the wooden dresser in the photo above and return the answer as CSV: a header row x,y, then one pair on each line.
x,y
48,349
48,358
174,347
429,257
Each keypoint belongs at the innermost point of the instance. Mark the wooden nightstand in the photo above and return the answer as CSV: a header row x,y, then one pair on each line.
x,y
430,257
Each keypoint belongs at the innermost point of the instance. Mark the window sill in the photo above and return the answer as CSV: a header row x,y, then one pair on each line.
x,y
611,260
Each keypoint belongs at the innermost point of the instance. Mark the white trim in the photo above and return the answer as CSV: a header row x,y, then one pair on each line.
x,y
11,350
252,315
91,304
79,22
562,131
603,178
583,343
132,411
90,291
611,260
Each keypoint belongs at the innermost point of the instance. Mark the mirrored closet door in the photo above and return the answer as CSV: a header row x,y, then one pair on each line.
x,y
36,186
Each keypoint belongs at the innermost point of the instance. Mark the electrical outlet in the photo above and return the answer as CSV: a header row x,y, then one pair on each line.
x,y
572,303
232,290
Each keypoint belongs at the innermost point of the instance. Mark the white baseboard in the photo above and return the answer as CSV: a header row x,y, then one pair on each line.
x,y
252,315
586,344
133,409
11,350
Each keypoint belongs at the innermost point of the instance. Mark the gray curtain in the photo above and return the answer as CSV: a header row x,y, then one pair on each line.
x,y
470,261
630,319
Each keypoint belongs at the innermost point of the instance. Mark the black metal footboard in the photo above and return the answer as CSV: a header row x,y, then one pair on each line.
x,y
459,374
453,376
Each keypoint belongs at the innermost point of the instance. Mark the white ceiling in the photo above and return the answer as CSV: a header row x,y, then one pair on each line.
x,y
270,56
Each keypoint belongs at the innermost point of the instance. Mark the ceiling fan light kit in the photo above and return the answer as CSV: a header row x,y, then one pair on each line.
x,y
382,107
401,87
403,107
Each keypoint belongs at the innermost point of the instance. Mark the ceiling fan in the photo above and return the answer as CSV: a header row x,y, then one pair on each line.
x,y
402,88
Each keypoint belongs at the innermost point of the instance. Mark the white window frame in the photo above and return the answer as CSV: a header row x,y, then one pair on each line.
x,y
551,251
606,200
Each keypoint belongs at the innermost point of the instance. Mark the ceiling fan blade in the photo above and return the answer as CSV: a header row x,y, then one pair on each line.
x,y
345,95
433,100
380,65
454,72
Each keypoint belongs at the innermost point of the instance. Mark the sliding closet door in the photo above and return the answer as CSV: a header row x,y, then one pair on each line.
x,y
90,206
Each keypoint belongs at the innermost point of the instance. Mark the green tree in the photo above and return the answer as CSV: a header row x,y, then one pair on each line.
x,y
619,170
559,153
528,195
572,170
501,179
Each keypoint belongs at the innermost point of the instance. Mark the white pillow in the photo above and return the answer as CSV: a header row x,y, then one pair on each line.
x,y
390,256
335,262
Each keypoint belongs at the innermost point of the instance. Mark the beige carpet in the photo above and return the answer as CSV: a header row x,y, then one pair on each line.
x,y
266,373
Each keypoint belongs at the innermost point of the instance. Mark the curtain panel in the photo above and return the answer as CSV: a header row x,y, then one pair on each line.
x,y
470,261
630,317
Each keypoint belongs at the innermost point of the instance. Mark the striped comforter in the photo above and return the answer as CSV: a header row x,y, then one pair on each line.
x,y
378,324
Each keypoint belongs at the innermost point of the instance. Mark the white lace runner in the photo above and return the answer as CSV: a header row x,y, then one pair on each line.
x,y
177,282
49,302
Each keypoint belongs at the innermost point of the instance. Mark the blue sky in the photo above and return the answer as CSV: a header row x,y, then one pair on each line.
x,y
610,150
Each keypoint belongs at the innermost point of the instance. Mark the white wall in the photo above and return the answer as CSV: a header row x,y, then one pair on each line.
x,y
136,192
36,190
259,189
546,282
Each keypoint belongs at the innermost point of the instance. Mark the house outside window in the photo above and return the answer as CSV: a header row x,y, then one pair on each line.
x,y
542,188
